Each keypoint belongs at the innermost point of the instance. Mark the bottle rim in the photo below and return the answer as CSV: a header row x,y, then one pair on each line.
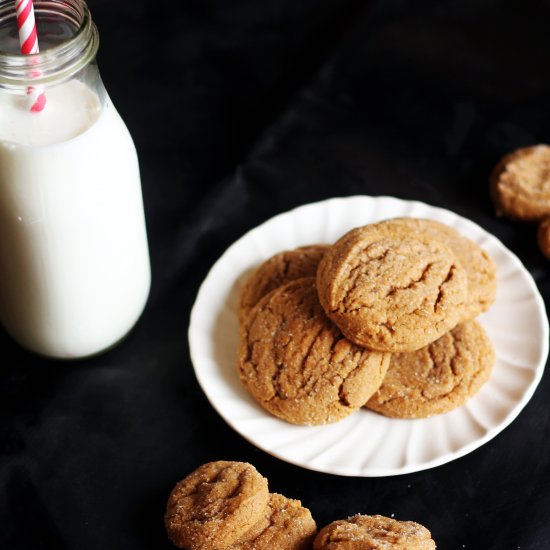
x,y
57,63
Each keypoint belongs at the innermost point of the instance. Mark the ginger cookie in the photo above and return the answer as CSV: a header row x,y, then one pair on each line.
x,y
480,268
543,237
286,525
391,292
298,365
276,271
215,505
437,378
520,184
373,533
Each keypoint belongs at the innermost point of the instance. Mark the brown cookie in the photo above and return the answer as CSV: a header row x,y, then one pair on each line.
x,y
276,271
373,533
437,378
286,525
296,363
520,184
215,505
389,291
543,237
480,268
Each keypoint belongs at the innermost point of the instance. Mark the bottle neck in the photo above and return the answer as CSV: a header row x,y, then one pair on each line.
x,y
69,44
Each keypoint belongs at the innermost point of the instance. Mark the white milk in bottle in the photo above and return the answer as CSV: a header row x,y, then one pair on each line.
x,y
74,263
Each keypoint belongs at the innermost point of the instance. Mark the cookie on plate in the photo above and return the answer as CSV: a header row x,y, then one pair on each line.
x,y
520,184
437,378
480,268
298,365
216,505
372,533
276,271
286,525
391,291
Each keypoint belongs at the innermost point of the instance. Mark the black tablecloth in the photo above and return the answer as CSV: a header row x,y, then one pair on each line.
x,y
241,110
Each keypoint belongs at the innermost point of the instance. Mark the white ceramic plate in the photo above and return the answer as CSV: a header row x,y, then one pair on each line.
x,y
365,443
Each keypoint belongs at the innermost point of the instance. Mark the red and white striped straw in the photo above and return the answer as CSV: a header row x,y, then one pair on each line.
x,y
28,38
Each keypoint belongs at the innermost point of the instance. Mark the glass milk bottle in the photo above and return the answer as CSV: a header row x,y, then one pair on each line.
x,y
74,262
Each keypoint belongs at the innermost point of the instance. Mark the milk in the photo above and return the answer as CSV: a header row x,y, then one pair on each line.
x,y
74,264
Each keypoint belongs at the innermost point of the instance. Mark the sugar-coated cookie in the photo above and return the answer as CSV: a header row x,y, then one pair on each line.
x,y
373,533
480,268
286,525
276,271
437,378
520,184
298,365
216,505
391,291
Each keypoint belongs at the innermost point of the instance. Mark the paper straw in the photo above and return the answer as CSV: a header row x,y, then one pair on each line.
x,y
28,38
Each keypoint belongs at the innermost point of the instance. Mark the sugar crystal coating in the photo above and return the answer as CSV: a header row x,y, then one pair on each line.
x,y
391,291
298,365
376,532
520,184
286,525
278,270
437,378
215,505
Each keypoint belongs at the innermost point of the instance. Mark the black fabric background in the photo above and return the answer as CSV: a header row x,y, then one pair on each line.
x,y
241,110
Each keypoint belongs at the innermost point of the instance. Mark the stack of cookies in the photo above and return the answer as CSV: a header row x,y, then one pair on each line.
x,y
226,505
383,318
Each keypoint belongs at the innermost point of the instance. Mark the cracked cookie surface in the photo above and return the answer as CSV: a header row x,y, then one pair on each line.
x,y
520,184
373,533
389,291
286,525
297,364
276,271
437,378
215,505
480,268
